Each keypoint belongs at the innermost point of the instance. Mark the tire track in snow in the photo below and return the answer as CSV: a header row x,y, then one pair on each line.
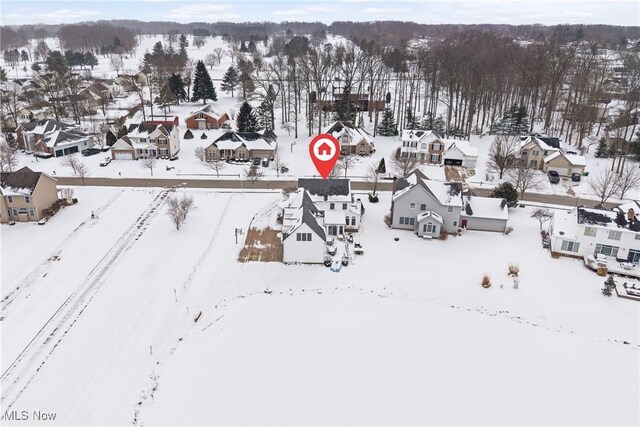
x,y
41,270
19,375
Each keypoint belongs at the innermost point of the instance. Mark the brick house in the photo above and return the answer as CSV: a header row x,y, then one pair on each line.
x,y
206,118
242,146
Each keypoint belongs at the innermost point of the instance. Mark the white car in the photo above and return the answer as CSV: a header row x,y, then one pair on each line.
x,y
106,161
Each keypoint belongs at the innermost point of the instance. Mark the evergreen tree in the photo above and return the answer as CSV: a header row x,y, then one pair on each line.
x,y
202,85
438,124
382,167
243,47
183,45
110,138
36,67
90,59
603,148
122,132
188,134
506,191
24,55
158,51
609,286
514,122
230,80
56,62
344,109
410,120
176,85
387,126
263,113
246,120
246,82
252,47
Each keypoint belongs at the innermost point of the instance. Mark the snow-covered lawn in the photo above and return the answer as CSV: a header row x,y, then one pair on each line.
x,y
405,334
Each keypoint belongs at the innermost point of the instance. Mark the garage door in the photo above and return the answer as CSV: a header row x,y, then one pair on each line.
x,y
453,162
122,156
561,171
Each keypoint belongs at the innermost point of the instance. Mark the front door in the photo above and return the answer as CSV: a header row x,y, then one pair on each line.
x,y
463,223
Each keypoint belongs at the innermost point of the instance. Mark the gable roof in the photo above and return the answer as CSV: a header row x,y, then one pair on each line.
x,y
534,139
463,146
445,193
430,215
339,127
232,140
42,127
123,143
325,188
23,181
61,136
573,159
209,111
144,129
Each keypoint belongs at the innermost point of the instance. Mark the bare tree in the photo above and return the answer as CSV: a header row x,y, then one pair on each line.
x,y
347,162
373,178
116,64
8,157
604,185
542,215
503,153
404,165
524,178
82,170
278,164
219,53
179,208
198,41
252,174
216,165
200,153
628,180
211,60
72,162
67,193
149,163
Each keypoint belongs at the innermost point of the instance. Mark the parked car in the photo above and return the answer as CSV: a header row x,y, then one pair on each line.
x,y
554,177
256,162
265,162
90,151
106,161
173,158
576,177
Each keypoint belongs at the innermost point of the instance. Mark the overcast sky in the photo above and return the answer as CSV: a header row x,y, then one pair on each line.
x,y
548,12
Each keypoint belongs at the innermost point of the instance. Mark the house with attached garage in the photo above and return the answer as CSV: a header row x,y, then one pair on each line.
x,y
533,151
148,139
352,139
429,208
206,118
52,137
432,147
564,164
27,134
342,211
25,195
242,146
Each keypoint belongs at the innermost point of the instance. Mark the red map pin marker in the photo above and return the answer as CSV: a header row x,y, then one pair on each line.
x,y
324,151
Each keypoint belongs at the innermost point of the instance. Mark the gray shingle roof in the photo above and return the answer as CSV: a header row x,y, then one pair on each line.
x,y
22,178
325,187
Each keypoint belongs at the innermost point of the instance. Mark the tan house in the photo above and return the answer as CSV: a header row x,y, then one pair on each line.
x,y
25,195
242,146
148,139
533,151
353,140
564,164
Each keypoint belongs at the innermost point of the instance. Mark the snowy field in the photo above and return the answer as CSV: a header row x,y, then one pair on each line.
x,y
405,334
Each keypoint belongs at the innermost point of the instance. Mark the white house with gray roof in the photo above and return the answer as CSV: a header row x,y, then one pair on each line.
x,y
342,211
303,230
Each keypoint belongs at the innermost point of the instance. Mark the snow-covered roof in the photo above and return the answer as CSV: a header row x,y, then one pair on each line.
x,y
543,145
305,215
487,207
574,159
565,224
334,217
418,135
62,137
42,127
338,128
446,193
463,146
430,215
123,143
145,129
231,140
21,182
209,111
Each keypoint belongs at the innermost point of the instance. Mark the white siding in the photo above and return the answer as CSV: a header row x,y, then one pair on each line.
x,y
303,252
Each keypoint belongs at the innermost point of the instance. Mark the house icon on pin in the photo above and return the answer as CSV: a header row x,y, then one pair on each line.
x,y
324,149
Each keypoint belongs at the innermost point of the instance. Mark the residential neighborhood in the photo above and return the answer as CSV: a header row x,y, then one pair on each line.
x,y
264,213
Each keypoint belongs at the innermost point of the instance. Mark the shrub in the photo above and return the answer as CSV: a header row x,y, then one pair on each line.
x,y
203,136
508,192
609,286
373,199
544,234
188,134
555,255
508,230
387,220
486,281
514,270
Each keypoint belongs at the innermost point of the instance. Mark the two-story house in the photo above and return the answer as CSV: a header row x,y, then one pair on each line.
x,y
25,195
425,145
352,139
533,151
303,230
342,211
429,207
583,232
53,137
148,139
240,146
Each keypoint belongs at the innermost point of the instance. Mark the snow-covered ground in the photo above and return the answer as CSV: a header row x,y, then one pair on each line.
x,y
405,334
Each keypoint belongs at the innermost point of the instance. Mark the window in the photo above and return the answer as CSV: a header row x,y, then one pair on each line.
x,y
27,199
423,207
407,220
590,231
450,209
15,212
344,206
429,228
637,236
401,220
10,199
455,223
607,250
332,205
412,221
32,212
615,235
347,220
435,158
412,206
533,163
353,220
634,256
435,146
303,237
570,246
152,140
143,139
524,153
535,153
414,144
423,146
